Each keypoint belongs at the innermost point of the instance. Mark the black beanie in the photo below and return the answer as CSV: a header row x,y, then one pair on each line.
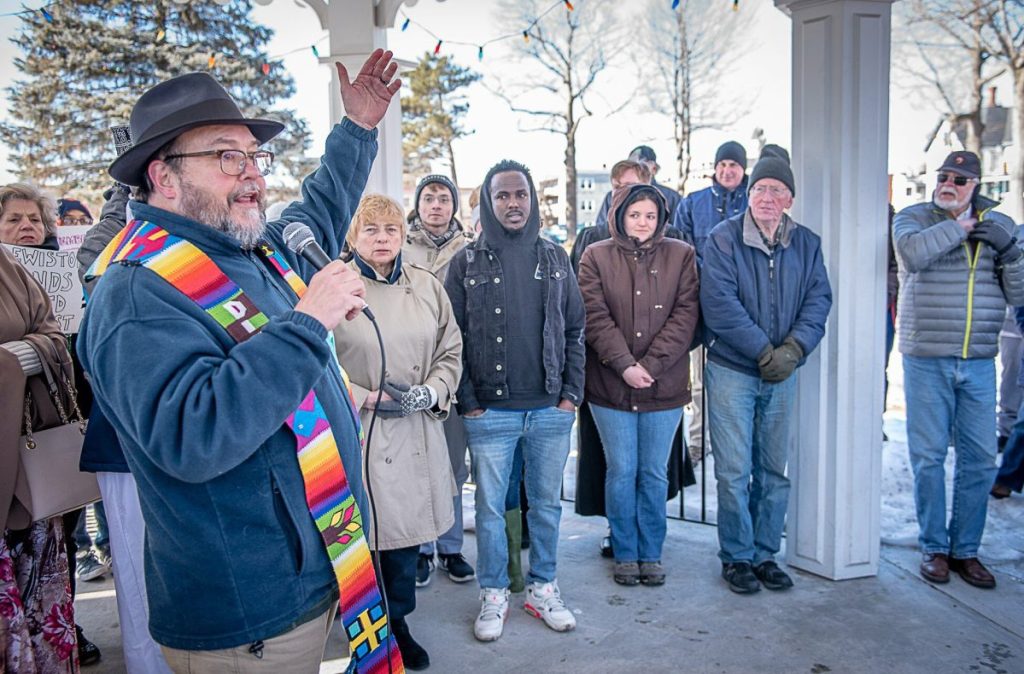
x,y
443,180
773,167
731,150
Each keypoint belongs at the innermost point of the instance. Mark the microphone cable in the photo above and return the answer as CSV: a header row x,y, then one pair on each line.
x,y
375,556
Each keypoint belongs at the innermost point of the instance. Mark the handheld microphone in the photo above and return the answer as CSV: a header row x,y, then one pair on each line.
x,y
300,240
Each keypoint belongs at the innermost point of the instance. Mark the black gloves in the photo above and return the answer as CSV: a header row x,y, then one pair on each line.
x,y
1002,241
406,400
778,364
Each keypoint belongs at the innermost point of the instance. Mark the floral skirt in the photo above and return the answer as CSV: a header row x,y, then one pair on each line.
x,y
37,615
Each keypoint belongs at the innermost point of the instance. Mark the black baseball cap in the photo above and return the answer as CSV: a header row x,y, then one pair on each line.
x,y
962,163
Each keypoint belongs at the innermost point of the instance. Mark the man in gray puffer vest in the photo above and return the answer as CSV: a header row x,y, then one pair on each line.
x,y
959,266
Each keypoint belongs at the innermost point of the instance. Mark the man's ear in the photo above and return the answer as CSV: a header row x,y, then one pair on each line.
x,y
165,182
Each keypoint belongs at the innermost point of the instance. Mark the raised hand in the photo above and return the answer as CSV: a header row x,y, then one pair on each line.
x,y
366,98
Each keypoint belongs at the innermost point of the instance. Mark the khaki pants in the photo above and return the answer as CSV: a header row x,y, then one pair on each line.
x,y
300,651
699,418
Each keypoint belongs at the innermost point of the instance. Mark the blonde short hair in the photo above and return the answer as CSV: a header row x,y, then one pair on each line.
x,y
28,192
374,208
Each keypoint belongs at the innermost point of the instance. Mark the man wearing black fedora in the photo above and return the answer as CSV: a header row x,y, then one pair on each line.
x,y
206,343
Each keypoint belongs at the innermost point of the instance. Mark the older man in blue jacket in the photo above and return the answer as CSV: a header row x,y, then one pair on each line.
x,y
766,297
236,569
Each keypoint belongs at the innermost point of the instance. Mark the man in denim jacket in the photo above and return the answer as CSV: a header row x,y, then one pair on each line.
x,y
515,297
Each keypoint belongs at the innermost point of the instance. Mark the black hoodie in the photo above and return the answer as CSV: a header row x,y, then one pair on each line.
x,y
516,250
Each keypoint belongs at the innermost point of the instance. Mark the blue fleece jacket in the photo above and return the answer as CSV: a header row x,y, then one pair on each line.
x,y
232,555
753,297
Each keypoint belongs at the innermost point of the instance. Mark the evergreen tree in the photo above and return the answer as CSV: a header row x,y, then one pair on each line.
x,y
432,112
85,63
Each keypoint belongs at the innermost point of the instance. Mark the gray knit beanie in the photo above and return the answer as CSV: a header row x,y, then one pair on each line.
x,y
773,150
773,167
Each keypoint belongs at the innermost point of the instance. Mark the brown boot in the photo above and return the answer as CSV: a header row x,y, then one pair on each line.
x,y
935,567
973,572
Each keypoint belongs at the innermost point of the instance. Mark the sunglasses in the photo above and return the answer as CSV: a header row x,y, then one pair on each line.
x,y
959,181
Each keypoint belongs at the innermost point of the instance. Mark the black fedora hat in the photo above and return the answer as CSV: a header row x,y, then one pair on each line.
x,y
173,107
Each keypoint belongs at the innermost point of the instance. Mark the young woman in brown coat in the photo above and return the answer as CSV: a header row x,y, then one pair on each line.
x,y
640,291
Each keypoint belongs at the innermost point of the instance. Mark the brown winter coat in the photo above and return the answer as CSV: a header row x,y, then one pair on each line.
x,y
409,470
642,307
25,315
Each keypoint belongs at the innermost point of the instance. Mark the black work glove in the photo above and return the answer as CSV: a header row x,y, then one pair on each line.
x,y
778,364
1002,241
406,400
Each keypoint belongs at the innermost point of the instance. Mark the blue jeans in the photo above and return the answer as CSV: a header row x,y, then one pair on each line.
x,y
752,421
1011,471
513,498
944,395
636,448
493,437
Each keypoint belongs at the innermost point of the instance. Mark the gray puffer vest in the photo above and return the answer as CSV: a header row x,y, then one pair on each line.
x,y
953,291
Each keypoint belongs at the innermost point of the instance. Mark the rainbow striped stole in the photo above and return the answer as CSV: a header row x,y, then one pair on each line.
x,y
328,495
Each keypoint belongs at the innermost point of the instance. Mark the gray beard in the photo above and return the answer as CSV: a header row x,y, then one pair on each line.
x,y
199,206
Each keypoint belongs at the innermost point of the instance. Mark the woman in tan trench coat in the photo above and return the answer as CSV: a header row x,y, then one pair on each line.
x,y
408,470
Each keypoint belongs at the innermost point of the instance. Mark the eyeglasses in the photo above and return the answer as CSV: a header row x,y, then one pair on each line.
x,y
774,190
75,222
959,181
232,162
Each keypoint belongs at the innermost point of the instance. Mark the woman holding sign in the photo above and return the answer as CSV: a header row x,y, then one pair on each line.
x,y
29,218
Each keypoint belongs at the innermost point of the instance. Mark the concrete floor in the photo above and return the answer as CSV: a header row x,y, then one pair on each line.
x,y
895,622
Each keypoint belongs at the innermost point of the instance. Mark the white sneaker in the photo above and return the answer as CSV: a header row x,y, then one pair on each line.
x,y
544,601
493,613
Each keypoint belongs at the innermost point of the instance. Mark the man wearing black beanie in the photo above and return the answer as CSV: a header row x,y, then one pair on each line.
x,y
765,297
695,217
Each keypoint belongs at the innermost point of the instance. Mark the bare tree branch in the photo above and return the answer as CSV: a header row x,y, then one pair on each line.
x,y
564,61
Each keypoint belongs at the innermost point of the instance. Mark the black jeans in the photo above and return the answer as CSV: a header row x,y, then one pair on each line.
x,y
398,575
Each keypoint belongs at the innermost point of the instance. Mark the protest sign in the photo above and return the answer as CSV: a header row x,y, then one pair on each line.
x,y
71,237
57,272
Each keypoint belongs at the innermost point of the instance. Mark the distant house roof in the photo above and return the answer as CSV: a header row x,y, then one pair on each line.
x,y
998,131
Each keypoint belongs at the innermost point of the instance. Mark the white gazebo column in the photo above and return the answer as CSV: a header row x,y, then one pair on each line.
x,y
840,151
355,29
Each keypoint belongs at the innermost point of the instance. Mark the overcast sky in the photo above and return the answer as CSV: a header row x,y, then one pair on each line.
x,y
762,74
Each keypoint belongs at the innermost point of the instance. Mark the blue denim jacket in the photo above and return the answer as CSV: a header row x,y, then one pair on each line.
x,y
475,287
232,554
